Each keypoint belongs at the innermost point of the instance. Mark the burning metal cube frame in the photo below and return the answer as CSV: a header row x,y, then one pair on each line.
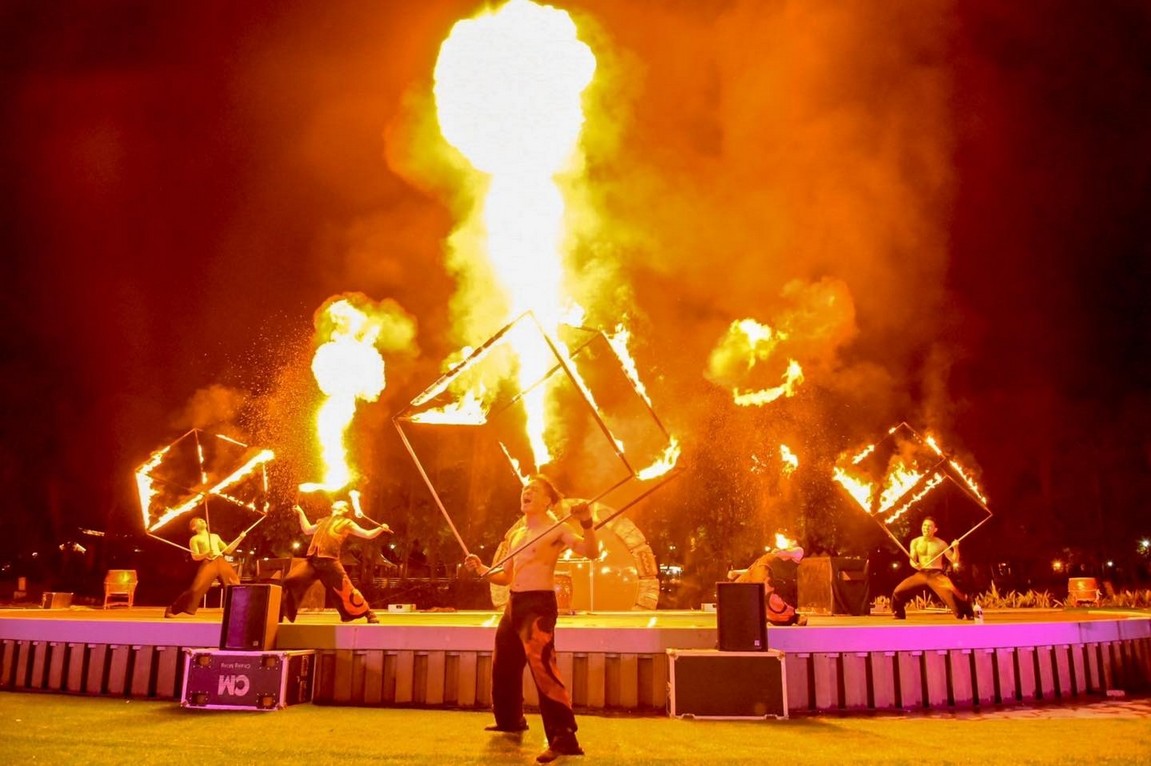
x,y
439,397
938,467
185,475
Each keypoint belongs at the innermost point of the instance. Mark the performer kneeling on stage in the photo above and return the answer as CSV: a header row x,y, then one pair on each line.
x,y
777,570
323,564
526,633
210,551
927,554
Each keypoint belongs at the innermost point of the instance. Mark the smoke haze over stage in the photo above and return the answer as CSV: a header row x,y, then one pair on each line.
x,y
940,204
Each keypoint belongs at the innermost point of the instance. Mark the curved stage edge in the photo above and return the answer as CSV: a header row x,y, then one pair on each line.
x,y
613,662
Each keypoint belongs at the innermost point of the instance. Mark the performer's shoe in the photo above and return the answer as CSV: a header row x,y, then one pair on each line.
x,y
372,618
522,726
562,744
899,616
168,613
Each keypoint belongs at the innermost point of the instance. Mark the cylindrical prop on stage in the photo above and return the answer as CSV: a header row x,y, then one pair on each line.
x,y
564,587
741,616
1081,590
251,617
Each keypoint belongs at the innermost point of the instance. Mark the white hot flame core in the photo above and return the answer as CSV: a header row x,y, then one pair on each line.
x,y
508,87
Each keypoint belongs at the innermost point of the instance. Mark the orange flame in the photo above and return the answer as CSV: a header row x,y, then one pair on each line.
x,y
789,459
347,368
508,88
663,464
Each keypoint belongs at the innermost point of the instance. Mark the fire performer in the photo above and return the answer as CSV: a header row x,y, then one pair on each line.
x,y
927,554
323,564
777,570
211,552
526,633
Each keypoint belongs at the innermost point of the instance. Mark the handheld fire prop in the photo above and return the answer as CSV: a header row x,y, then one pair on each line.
x,y
482,394
896,474
188,474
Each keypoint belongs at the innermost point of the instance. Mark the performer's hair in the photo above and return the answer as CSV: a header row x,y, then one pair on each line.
x,y
548,485
931,519
192,521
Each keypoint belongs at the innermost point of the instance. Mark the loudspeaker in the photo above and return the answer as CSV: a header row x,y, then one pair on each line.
x,y
833,585
741,616
251,617
849,590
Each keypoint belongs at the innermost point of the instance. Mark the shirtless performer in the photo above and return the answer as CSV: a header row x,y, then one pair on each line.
x,y
927,556
526,633
211,552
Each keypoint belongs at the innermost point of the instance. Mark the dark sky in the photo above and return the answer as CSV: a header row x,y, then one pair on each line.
x,y
185,183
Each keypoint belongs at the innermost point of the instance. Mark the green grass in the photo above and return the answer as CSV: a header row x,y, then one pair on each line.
x,y
62,729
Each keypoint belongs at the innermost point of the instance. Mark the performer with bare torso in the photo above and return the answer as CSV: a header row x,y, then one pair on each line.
x,y
211,552
927,557
526,633
323,564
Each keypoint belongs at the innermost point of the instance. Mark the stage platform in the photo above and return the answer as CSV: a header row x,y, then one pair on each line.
x,y
613,662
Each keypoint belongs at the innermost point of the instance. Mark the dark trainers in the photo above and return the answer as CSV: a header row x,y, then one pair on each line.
x,y
513,729
562,744
372,618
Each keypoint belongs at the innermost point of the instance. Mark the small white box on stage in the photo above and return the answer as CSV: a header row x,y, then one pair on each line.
x,y
395,608
56,600
704,683
708,607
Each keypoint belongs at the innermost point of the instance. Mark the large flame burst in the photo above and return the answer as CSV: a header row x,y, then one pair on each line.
x,y
348,369
508,88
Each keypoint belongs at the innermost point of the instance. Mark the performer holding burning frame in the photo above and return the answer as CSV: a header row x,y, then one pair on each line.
x,y
323,563
526,633
210,551
927,555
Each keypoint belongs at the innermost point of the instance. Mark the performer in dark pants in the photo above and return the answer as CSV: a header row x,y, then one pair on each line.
x,y
210,551
927,556
323,564
526,633
778,571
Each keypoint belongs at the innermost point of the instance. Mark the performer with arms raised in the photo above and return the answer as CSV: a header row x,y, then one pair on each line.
x,y
323,564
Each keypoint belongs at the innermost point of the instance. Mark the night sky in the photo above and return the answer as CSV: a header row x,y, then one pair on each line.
x,y
944,202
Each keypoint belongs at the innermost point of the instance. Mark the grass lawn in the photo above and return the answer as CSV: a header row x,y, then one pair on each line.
x,y
62,729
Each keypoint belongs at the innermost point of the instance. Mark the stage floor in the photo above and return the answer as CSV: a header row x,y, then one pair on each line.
x,y
633,631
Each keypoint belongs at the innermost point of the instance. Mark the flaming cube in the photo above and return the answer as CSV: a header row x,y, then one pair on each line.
x,y
524,401
190,473
900,473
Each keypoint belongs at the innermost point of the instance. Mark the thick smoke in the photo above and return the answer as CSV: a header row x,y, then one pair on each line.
x,y
781,162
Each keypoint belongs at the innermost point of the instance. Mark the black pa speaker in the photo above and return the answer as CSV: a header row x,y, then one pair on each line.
x,y
849,587
741,616
251,617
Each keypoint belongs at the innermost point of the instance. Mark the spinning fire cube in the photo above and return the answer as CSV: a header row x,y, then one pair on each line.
x,y
212,474
523,400
905,471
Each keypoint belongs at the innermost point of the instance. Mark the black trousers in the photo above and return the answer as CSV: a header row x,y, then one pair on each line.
x,y
350,603
209,571
526,636
939,583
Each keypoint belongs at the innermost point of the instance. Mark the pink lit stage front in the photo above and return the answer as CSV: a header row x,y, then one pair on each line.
x,y
614,661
